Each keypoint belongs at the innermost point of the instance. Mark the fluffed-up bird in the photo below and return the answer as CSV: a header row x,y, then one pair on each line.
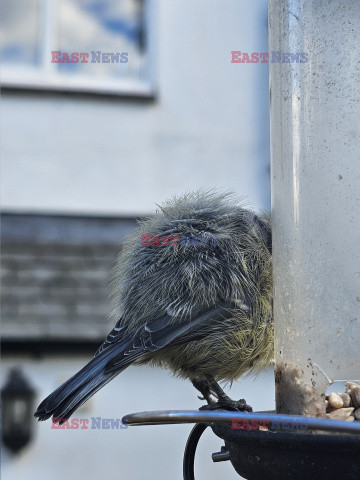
x,y
192,293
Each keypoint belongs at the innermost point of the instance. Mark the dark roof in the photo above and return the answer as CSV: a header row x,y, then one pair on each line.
x,y
55,276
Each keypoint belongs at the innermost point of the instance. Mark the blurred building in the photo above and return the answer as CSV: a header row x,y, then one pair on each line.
x,y
89,147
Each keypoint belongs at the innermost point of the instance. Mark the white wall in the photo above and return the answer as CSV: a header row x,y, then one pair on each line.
x,y
146,453
208,126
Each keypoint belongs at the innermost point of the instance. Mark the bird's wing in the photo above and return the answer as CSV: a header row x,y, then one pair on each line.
x,y
117,334
120,350
164,331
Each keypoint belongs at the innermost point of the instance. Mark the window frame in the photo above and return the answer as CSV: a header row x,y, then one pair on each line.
x,y
46,78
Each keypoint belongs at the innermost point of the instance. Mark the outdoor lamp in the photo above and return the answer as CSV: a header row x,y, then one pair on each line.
x,y
17,398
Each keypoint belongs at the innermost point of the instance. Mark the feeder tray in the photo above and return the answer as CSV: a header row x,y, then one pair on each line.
x,y
277,455
296,456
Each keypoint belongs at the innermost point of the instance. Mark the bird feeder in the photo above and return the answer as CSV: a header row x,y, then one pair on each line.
x,y
315,155
315,144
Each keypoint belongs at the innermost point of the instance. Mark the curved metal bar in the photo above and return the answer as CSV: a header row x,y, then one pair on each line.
x,y
274,421
190,450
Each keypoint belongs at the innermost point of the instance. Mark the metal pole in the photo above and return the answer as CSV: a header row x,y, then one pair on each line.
x,y
315,155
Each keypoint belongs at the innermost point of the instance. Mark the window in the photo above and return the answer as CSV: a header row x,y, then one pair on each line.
x,y
100,46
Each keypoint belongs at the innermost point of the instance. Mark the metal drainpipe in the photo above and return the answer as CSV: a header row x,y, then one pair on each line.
x,y
315,156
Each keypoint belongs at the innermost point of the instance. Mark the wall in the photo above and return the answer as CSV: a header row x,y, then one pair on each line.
x,y
207,127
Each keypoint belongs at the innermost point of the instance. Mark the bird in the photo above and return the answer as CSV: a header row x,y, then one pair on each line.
x,y
191,292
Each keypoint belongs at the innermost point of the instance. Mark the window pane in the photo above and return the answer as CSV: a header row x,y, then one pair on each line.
x,y
20,22
106,26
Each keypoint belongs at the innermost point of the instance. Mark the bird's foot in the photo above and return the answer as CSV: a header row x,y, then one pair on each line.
x,y
204,388
228,404
217,398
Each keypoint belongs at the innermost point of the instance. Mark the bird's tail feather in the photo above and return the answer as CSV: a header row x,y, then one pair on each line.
x,y
63,401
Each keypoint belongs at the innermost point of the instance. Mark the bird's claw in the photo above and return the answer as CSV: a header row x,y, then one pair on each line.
x,y
229,404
